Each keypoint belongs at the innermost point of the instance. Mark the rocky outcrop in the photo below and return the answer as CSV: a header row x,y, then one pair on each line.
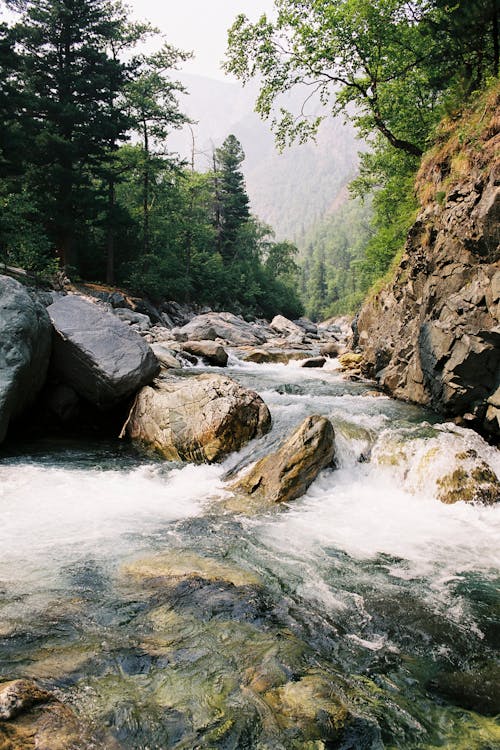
x,y
226,326
211,352
97,354
199,419
25,342
433,334
286,474
165,356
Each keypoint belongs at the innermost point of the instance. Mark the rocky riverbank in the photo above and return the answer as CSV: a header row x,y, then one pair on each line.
x,y
432,335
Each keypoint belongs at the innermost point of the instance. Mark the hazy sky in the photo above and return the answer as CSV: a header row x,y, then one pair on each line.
x,y
198,25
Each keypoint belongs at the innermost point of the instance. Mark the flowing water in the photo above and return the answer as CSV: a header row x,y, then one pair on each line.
x,y
367,595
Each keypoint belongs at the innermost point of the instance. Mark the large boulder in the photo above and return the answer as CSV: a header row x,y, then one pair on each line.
x,y
97,354
227,326
445,461
199,419
25,341
282,325
286,474
213,353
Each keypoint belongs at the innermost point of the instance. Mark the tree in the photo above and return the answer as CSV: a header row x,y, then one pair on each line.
x,y
69,80
358,56
154,108
231,200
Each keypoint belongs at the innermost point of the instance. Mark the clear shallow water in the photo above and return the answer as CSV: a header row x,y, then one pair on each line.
x,y
361,589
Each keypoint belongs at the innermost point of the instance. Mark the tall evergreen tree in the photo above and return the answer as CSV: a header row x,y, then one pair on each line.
x,y
232,202
70,79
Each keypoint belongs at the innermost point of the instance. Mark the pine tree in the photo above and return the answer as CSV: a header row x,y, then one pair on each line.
x,y
232,203
71,81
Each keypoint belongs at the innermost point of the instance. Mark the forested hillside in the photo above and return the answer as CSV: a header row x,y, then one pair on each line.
x,y
89,182
395,69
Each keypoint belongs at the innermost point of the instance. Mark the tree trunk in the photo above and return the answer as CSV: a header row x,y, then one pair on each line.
x,y
110,243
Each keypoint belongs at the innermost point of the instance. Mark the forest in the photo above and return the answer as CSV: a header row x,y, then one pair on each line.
x,y
87,180
88,183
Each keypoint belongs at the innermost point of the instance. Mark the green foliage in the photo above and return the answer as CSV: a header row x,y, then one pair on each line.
x,y
72,190
393,67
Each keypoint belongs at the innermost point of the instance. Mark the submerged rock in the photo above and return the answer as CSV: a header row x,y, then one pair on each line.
x,y
97,354
180,565
199,419
25,341
449,462
286,474
213,353
33,719
311,706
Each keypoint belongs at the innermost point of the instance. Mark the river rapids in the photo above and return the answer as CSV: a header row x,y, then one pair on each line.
x,y
367,593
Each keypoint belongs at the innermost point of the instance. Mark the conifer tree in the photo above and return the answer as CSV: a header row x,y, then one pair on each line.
x,y
232,203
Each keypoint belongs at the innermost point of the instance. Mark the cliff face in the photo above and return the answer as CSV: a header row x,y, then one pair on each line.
x,y
432,335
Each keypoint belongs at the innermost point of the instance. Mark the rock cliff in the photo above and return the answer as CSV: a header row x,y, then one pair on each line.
x,y
432,335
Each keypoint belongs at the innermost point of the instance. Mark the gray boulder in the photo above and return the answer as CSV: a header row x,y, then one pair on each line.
x,y
286,327
227,326
165,356
199,419
97,354
25,341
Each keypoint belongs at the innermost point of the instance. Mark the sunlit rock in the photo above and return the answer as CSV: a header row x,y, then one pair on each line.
x,y
199,419
286,474
227,326
25,341
165,356
448,462
286,327
180,565
213,353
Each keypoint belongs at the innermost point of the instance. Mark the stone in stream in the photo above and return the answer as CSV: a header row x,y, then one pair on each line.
x,y
313,362
213,353
199,419
165,356
332,349
286,474
97,354
25,342
273,356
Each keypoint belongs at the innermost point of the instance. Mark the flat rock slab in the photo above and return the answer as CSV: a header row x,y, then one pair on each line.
x,y
25,343
286,474
97,354
199,419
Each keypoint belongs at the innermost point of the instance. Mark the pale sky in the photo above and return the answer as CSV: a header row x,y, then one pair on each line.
x,y
199,26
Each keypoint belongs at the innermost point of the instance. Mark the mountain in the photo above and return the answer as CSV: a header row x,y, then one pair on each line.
x,y
291,191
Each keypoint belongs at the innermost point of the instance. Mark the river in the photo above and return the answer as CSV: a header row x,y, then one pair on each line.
x,y
365,593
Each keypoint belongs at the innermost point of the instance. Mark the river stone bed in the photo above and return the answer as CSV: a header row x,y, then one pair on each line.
x,y
363,615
